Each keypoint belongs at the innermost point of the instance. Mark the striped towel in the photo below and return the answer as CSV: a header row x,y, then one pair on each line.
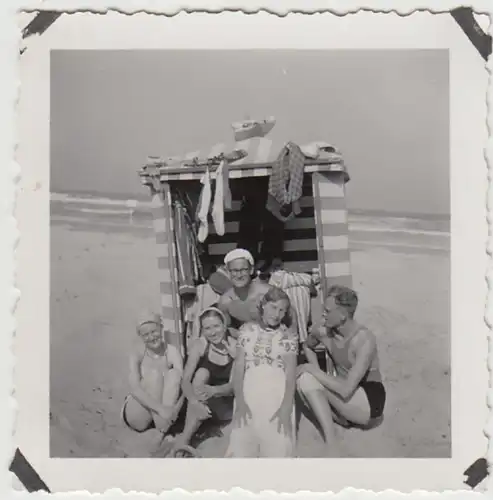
x,y
297,287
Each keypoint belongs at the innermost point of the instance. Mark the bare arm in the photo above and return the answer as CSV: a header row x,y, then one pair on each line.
x,y
175,359
294,321
238,375
346,387
136,389
308,347
223,306
290,388
196,352
223,302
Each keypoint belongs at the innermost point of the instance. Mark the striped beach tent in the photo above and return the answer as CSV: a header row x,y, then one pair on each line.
x,y
317,238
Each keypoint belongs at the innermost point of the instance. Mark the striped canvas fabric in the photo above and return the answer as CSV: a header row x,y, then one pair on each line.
x,y
317,238
300,245
168,286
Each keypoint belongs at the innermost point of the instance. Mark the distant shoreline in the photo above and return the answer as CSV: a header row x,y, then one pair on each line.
x,y
142,198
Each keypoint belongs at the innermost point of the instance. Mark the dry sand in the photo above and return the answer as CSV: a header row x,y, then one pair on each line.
x,y
103,277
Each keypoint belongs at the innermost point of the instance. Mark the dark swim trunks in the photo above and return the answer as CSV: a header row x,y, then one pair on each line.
x,y
151,425
375,392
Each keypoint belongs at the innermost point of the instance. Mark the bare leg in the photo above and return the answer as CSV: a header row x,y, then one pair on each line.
x,y
313,393
171,391
356,410
138,417
325,403
192,420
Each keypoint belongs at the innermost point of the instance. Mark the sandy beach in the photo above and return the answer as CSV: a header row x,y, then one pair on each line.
x,y
401,275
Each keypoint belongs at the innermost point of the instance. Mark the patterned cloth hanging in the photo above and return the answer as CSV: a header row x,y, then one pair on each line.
x,y
286,183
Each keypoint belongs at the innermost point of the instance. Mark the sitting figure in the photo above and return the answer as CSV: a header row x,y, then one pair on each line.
x,y
206,380
353,394
156,369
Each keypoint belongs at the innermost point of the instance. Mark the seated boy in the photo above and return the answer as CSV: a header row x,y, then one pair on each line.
x,y
156,369
354,395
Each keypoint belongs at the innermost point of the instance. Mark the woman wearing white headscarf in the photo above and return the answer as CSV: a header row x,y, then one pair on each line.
x,y
207,377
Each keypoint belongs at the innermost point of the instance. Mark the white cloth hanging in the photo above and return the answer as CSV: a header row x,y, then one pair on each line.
x,y
204,205
222,197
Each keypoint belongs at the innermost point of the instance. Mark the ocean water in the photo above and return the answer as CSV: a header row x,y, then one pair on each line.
x,y
417,233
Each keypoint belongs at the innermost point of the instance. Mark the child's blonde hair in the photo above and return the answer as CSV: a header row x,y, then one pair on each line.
x,y
274,294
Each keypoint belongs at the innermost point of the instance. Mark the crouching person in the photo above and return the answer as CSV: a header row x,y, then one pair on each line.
x,y
156,370
207,381
353,394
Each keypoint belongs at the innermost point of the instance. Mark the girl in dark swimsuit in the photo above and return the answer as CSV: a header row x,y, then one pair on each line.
x,y
206,378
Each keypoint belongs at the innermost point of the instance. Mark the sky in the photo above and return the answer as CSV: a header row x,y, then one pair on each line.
x,y
387,111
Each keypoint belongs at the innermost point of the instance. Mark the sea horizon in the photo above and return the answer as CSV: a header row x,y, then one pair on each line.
x,y
141,200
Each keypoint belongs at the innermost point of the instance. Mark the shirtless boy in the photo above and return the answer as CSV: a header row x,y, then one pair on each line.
x,y
353,394
241,302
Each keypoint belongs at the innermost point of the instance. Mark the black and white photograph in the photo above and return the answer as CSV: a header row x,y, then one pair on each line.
x,y
250,250
257,290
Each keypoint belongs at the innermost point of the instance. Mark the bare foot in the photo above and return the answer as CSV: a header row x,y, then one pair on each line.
x,y
140,445
163,448
179,442
182,450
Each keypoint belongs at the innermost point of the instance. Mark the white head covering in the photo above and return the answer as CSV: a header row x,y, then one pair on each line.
x,y
217,311
148,317
239,253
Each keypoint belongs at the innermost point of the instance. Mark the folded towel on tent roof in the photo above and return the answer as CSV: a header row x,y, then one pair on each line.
x,y
247,129
315,149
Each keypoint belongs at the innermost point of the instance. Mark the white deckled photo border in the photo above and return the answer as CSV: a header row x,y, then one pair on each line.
x,y
24,187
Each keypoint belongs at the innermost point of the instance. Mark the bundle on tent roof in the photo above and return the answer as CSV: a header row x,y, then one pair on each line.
x,y
247,129
251,157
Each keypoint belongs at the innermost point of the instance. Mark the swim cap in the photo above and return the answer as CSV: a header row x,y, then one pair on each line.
x,y
148,317
239,253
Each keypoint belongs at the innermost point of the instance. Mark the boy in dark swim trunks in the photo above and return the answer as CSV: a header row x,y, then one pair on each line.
x,y
207,376
353,393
